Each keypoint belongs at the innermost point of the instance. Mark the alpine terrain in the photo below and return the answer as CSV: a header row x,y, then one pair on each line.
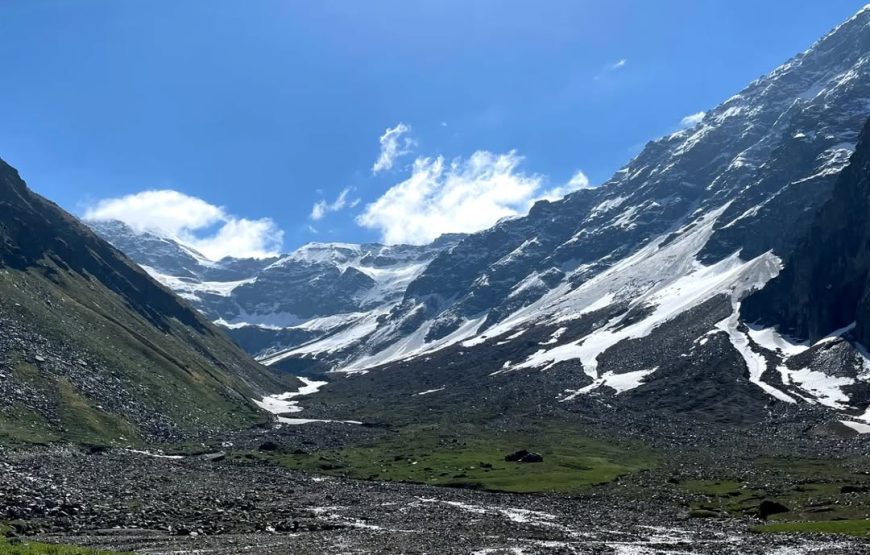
x,y
675,361
598,283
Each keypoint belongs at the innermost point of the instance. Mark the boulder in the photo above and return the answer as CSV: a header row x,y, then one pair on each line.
x,y
768,507
524,456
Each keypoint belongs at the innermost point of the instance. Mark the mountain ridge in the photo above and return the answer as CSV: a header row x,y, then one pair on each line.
x,y
287,300
770,154
95,350
705,213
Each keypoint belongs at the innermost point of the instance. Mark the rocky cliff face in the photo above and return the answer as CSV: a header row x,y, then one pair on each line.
x,y
93,349
824,286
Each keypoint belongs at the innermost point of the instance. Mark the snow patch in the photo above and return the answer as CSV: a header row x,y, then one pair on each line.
x,y
428,391
554,338
286,402
619,382
413,345
155,455
728,276
772,340
859,427
191,289
825,389
755,362
300,421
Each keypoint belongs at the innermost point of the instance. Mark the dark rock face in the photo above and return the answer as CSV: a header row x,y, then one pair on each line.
x,y
34,231
824,286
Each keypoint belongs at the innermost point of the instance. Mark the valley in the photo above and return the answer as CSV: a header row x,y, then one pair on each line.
x,y
673,362
674,500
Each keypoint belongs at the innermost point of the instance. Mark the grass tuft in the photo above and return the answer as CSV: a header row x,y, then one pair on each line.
x,y
25,547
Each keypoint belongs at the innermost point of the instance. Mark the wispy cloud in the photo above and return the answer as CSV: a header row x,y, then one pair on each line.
x,y
578,181
692,120
394,144
458,196
322,208
192,221
611,67
619,64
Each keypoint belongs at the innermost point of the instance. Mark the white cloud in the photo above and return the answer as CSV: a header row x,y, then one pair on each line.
x,y
619,64
461,196
610,68
393,146
692,120
243,239
321,208
578,181
192,221
318,210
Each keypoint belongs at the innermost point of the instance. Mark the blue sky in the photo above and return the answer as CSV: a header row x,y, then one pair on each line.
x,y
263,109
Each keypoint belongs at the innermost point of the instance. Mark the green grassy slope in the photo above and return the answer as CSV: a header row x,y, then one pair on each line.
x,y
96,351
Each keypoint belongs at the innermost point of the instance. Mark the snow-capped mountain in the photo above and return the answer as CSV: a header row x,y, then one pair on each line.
x,y
632,289
171,257
281,302
683,233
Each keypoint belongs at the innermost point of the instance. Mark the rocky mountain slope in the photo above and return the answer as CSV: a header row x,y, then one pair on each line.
x,y
632,289
743,182
93,349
